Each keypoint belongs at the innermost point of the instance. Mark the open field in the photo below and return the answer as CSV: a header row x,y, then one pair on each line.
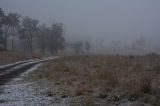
x,y
105,80
10,57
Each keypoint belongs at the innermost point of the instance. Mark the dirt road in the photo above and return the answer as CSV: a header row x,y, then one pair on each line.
x,y
10,71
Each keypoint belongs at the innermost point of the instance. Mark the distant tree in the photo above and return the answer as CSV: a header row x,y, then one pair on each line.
x,y
14,24
47,38
115,46
8,26
29,31
42,36
1,30
5,27
139,43
87,46
55,39
77,47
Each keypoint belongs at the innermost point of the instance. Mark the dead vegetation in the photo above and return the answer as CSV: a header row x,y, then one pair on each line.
x,y
110,78
10,57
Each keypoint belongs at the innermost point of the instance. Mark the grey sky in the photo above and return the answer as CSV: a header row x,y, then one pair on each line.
x,y
97,19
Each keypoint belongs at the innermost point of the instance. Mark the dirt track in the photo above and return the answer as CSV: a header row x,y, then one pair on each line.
x,y
11,71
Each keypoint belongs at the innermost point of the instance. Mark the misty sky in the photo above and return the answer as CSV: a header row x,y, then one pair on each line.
x,y
100,20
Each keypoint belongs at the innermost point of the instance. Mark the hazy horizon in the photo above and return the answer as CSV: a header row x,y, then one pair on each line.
x,y
99,21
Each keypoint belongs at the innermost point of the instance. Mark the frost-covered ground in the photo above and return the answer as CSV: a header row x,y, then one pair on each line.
x,y
55,83
99,80
22,92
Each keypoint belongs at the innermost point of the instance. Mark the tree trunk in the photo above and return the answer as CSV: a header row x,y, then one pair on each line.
x,y
31,45
13,36
6,38
28,47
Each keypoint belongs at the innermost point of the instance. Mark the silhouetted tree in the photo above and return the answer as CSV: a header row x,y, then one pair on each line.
x,y
77,47
87,46
55,39
115,46
5,26
28,31
43,32
2,45
14,24
8,26
47,38
139,43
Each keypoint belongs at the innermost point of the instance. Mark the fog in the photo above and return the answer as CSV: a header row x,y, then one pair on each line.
x,y
101,22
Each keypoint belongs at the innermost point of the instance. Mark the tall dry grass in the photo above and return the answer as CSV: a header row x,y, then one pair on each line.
x,y
132,75
105,75
10,57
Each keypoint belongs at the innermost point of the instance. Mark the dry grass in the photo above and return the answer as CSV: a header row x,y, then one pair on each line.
x,y
9,57
102,75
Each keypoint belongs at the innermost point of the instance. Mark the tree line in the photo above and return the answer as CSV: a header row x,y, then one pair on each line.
x,y
32,36
28,31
